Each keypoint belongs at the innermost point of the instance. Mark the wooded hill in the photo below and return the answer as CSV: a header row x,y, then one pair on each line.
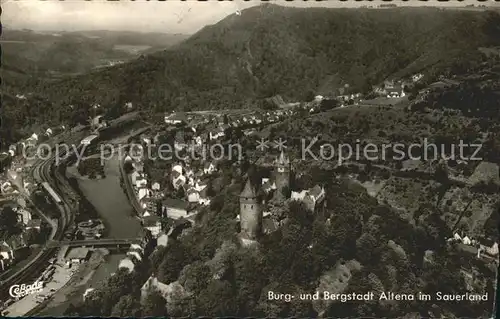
x,y
269,50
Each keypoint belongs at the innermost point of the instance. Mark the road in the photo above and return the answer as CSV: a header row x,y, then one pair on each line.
x,y
129,191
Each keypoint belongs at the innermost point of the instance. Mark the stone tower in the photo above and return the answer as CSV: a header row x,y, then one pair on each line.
x,y
250,213
282,173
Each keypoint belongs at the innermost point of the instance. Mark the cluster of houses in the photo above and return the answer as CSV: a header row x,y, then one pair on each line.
x,y
12,245
135,255
187,177
214,126
396,89
13,161
485,248
391,89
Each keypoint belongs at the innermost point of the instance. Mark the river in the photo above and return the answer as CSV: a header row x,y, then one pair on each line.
x,y
111,203
118,215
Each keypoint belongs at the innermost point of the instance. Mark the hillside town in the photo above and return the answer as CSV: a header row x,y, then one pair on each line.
x,y
250,164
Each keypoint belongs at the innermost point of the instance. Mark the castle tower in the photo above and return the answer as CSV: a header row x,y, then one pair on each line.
x,y
282,173
250,213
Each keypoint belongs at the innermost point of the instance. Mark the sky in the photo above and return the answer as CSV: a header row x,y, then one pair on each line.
x,y
171,16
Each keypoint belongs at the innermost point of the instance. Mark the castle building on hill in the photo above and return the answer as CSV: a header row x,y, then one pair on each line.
x,y
250,213
282,173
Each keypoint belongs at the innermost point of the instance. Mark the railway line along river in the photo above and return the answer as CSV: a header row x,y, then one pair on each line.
x,y
113,207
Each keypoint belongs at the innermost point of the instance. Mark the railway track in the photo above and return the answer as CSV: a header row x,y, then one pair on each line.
x,y
42,173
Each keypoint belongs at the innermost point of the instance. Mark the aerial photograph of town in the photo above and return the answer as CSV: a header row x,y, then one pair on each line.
x,y
327,159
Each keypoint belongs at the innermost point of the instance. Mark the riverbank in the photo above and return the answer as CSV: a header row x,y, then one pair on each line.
x,y
88,275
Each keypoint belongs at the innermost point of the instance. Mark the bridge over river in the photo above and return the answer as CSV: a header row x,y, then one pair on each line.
x,y
106,242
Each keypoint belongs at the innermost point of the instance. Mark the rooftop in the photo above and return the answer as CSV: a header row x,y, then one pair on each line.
x,y
78,253
150,220
179,116
175,203
248,190
283,159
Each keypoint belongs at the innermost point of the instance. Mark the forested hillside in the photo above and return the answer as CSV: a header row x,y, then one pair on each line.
x,y
271,49
268,50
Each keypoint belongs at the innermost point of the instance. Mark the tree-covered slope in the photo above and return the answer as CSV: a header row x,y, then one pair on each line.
x,y
271,49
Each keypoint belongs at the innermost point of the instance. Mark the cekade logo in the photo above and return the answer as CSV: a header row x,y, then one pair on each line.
x,y
18,291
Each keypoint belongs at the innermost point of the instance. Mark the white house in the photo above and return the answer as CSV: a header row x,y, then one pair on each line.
x,y
6,187
311,197
6,252
162,240
175,118
177,168
268,185
317,193
137,246
146,140
217,133
155,186
78,255
136,253
153,284
199,186
178,180
24,216
198,140
143,193
141,183
493,250
87,293
204,201
193,195
209,168
298,195
417,77
127,263
466,240
395,92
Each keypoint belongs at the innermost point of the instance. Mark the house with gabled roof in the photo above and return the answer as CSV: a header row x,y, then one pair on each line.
x,y
136,253
311,198
127,263
193,196
7,252
209,168
178,181
23,215
174,208
176,118
153,224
